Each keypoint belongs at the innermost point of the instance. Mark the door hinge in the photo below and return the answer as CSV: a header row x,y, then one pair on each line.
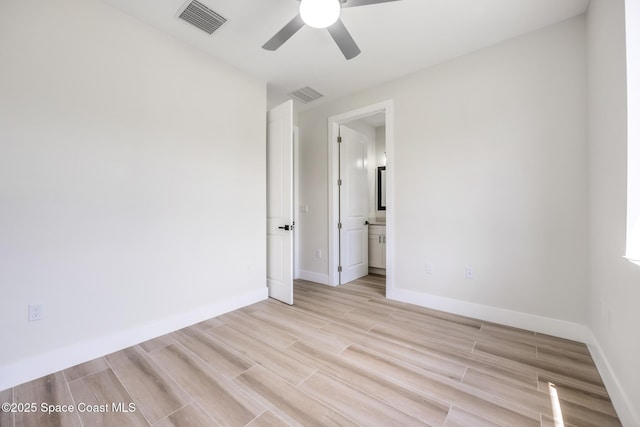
x,y
339,139
339,182
339,226
339,269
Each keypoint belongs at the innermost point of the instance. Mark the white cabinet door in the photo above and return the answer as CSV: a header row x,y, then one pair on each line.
x,y
377,246
375,254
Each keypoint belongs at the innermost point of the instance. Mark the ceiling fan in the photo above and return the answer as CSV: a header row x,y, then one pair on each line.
x,y
322,14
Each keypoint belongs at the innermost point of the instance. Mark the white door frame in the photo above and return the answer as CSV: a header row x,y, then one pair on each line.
x,y
333,127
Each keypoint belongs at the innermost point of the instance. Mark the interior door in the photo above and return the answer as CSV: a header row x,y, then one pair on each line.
x,y
354,208
280,202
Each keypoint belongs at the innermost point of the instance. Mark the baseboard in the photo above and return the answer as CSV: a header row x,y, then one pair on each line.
x,y
627,413
380,271
531,322
62,358
312,276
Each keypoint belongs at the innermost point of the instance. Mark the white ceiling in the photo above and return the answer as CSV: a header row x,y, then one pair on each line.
x,y
396,38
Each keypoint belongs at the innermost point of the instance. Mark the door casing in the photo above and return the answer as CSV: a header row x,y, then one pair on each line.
x,y
334,123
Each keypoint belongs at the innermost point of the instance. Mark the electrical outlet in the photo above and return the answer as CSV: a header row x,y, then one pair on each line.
x,y
468,273
319,253
36,312
429,269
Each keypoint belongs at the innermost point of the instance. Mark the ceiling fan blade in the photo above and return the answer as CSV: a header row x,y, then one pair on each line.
x,y
284,34
354,3
344,40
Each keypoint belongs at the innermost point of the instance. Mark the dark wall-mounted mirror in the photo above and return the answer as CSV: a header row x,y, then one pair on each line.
x,y
382,188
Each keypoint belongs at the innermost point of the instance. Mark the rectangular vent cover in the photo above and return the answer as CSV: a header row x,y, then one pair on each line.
x,y
306,95
202,17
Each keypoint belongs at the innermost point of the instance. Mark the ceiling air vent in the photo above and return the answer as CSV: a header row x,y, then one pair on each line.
x,y
306,95
202,17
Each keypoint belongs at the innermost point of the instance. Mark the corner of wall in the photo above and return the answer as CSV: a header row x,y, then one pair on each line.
x,y
627,413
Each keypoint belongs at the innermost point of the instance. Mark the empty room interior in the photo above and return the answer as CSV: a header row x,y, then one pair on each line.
x,y
419,212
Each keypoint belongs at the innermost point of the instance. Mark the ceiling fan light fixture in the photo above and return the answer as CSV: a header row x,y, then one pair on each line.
x,y
319,13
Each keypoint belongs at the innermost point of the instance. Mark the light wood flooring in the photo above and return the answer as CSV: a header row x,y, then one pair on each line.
x,y
339,356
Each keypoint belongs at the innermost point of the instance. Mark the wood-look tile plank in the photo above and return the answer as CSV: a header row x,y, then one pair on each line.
x,y
100,389
461,418
250,326
412,337
222,358
267,419
575,365
329,342
457,394
306,302
290,403
6,418
218,396
191,415
533,399
548,341
561,380
211,323
428,409
405,347
156,343
50,390
353,403
546,421
516,350
313,292
586,417
572,393
533,338
157,394
271,358
324,311
304,319
420,358
509,356
87,368
428,312
436,324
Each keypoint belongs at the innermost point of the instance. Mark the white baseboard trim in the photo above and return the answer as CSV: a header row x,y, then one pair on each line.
x,y
312,276
516,319
627,413
56,360
380,271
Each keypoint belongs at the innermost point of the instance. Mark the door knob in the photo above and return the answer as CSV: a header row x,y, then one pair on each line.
x,y
286,227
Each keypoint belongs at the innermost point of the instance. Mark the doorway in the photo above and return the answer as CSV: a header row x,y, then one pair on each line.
x,y
382,110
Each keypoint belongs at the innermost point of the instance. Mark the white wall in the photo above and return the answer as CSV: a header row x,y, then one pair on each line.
x,y
615,282
490,172
132,192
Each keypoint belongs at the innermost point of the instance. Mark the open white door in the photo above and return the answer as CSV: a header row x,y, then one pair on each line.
x,y
354,207
280,202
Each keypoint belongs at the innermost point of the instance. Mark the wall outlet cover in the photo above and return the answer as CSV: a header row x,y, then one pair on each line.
x,y
468,273
36,312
